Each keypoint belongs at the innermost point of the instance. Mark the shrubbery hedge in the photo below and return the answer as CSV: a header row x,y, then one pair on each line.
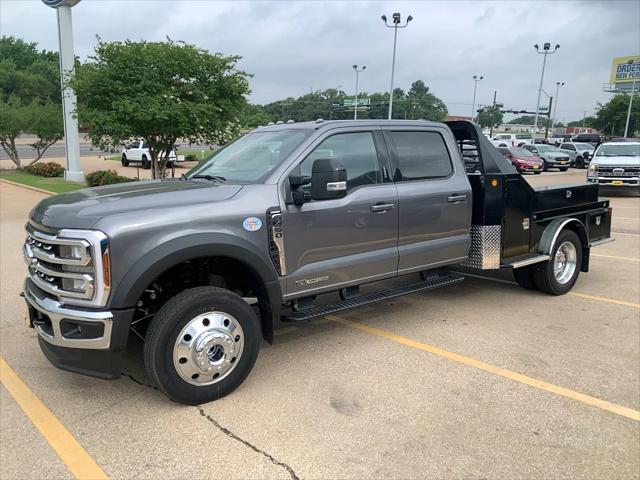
x,y
105,177
46,169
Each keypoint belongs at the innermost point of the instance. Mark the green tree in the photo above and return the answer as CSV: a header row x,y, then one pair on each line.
x,y
490,117
524,120
422,104
586,122
159,92
611,117
30,99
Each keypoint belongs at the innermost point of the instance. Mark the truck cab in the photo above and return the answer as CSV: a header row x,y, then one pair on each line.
x,y
253,238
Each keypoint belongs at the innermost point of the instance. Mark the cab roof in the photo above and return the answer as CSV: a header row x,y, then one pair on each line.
x,y
328,124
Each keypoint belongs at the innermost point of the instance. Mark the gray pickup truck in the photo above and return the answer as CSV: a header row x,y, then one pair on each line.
x,y
204,267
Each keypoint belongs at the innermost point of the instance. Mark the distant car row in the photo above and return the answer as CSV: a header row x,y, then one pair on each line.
x,y
539,157
509,140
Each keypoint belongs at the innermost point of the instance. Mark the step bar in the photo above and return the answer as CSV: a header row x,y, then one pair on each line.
x,y
374,297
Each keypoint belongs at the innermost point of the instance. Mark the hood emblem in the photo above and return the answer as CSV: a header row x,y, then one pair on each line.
x,y
618,170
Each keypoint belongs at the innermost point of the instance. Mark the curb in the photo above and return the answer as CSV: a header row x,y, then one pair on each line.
x,y
28,187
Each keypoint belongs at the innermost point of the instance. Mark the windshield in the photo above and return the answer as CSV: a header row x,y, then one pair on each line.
x,y
619,150
522,152
523,137
503,137
252,156
584,146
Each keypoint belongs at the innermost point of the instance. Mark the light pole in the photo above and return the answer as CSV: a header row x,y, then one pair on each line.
x,y
395,25
476,79
355,109
73,173
545,51
626,125
555,107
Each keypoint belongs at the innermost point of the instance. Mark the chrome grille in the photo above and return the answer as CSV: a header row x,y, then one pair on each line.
x,y
63,266
618,171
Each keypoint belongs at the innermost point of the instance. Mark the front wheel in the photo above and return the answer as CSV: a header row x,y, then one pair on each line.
x,y
537,172
563,169
559,274
125,160
201,345
145,163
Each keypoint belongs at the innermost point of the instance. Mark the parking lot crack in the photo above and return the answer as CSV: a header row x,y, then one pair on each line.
x,y
135,380
233,436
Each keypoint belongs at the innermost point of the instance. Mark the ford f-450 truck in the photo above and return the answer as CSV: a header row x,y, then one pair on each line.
x,y
204,267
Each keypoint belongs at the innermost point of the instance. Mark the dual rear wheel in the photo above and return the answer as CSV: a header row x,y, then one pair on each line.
x,y
559,274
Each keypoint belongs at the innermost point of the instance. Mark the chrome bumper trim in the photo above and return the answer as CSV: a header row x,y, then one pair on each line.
x,y
56,313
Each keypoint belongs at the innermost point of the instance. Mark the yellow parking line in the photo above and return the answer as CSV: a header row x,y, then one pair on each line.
x,y
629,259
605,299
516,377
60,439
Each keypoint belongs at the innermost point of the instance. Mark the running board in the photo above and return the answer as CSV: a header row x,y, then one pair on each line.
x,y
366,299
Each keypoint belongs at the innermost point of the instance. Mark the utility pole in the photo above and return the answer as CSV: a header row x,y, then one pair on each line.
x,y
546,131
73,173
584,118
553,118
626,125
396,25
355,109
545,51
493,113
476,79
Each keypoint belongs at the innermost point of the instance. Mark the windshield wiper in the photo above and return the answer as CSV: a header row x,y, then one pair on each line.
x,y
214,178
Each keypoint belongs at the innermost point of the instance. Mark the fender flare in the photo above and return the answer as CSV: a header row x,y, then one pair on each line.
x,y
551,232
131,287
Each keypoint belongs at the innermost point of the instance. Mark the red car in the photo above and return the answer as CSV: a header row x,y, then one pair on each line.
x,y
523,160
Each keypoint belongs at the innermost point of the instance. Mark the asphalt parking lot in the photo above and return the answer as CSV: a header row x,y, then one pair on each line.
x,y
479,380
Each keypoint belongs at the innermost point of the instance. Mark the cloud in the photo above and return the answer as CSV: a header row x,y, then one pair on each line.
x,y
294,47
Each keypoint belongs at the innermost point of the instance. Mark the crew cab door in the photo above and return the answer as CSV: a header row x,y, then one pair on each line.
x,y
434,198
133,151
334,243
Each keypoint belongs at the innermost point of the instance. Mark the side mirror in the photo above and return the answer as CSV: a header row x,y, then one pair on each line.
x,y
328,179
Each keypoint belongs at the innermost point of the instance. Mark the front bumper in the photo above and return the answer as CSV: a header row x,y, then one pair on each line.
x,y
85,341
616,182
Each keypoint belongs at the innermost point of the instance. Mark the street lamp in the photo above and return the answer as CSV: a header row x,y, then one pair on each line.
x,y
555,106
545,51
73,173
395,25
355,110
476,79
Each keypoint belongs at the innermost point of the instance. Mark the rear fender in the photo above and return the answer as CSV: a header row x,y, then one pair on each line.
x,y
551,233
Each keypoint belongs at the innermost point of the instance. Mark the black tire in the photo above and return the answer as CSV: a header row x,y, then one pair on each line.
x,y
563,169
169,322
537,172
145,163
125,161
579,162
524,276
543,274
545,168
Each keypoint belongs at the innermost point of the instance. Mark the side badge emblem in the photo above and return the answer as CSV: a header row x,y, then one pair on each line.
x,y
252,224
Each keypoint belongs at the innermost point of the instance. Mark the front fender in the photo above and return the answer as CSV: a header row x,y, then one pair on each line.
x,y
131,287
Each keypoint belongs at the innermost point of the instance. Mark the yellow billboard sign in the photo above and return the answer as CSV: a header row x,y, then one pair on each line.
x,y
625,69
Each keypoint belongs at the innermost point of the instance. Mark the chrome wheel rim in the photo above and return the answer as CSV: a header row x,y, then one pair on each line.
x,y
208,348
565,262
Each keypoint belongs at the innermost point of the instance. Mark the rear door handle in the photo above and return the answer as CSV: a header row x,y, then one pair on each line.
x,y
456,198
381,208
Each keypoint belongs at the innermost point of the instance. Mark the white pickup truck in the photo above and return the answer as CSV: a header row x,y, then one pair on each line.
x,y
511,140
138,151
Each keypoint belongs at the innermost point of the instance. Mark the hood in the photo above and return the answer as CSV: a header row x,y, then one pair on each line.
x,y
630,161
556,154
83,208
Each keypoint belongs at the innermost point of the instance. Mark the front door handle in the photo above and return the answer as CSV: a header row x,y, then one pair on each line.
x,y
382,207
456,198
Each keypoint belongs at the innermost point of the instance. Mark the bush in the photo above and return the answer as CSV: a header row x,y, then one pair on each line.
x,y
190,157
105,177
46,169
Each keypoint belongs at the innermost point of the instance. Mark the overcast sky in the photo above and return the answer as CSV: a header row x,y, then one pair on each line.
x,y
294,47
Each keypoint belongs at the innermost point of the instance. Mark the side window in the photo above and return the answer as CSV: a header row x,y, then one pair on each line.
x,y
356,151
145,145
420,155
134,144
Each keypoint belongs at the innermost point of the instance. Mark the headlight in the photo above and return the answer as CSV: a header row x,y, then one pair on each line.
x,y
593,168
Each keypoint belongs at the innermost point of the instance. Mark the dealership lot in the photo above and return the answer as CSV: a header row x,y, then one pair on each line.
x,y
436,384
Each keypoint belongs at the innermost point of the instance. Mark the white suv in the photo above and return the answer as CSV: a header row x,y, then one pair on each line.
x,y
616,165
138,151
511,140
